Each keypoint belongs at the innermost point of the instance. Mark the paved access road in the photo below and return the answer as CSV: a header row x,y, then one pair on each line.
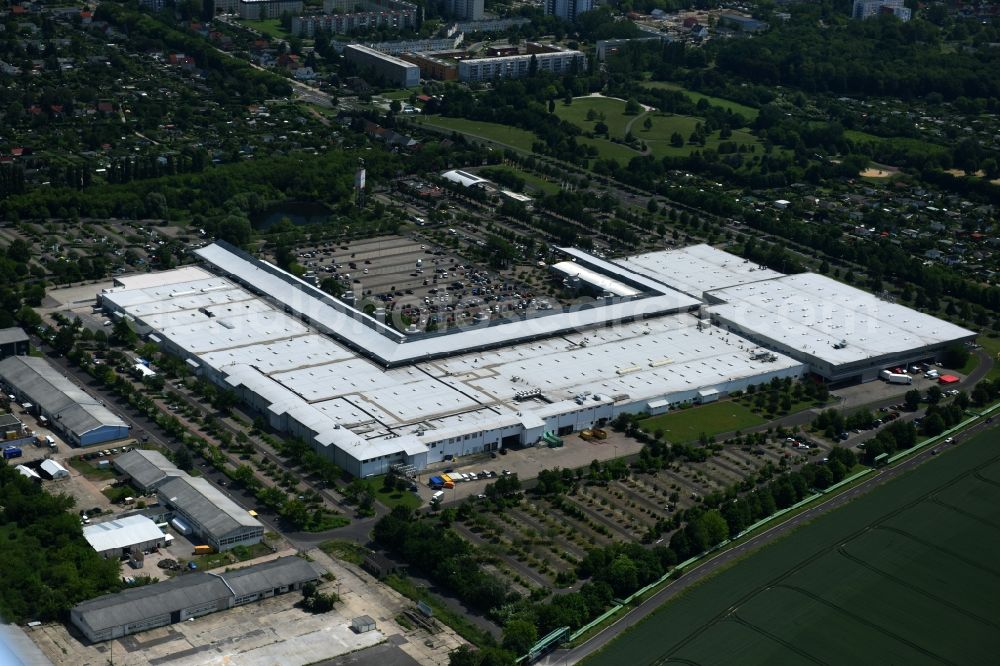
x,y
713,565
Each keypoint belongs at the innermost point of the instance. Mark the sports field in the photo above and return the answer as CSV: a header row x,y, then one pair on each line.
x,y
907,574
685,425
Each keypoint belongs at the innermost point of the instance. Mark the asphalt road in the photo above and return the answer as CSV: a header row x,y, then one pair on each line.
x,y
715,564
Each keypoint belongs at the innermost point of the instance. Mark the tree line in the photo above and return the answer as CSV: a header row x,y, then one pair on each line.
x,y
48,567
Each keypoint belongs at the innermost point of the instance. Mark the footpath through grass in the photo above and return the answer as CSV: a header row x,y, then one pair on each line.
x,y
687,425
904,574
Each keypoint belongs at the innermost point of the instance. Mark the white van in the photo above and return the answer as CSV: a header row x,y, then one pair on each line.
x,y
438,496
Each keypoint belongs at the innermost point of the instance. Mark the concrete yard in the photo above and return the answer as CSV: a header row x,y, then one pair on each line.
x,y
274,631
527,462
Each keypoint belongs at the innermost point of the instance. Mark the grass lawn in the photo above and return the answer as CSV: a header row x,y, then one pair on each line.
x,y
511,136
607,150
685,425
116,495
613,110
748,112
395,498
531,181
992,347
90,471
402,94
232,556
902,142
903,574
344,550
270,26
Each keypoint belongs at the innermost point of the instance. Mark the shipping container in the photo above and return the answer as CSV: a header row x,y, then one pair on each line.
x,y
12,452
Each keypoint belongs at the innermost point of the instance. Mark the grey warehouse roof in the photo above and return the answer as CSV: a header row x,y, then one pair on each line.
x,y
9,335
136,604
76,411
146,467
218,514
142,603
269,575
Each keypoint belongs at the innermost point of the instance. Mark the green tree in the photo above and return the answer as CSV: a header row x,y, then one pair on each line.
x,y
955,357
623,575
519,635
912,399
183,459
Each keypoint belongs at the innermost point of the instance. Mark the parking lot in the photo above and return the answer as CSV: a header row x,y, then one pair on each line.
x,y
526,463
419,282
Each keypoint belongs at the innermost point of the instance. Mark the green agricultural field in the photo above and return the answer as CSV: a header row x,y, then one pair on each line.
x,y
747,112
511,136
906,574
686,425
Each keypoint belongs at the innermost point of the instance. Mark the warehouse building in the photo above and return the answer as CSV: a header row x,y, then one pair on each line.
x,y
671,328
843,334
83,420
395,71
368,397
53,470
145,469
189,596
14,342
117,538
217,520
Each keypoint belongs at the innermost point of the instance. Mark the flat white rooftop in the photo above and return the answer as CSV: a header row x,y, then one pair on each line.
x,y
390,347
369,410
812,313
697,269
121,533
595,279
143,280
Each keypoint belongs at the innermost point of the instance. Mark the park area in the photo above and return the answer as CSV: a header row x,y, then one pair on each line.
x,y
592,114
906,574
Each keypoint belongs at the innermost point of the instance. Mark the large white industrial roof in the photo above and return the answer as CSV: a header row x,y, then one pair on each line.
x,y
390,347
811,313
595,279
121,533
367,410
143,280
697,269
